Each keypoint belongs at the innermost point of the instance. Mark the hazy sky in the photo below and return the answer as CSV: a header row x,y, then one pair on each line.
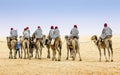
x,y
89,15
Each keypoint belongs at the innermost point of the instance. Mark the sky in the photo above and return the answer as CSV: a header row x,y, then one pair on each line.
x,y
88,15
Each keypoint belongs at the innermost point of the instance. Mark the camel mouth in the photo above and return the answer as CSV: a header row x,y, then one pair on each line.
x,y
92,38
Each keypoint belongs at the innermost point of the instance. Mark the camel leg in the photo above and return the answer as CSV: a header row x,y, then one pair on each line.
x,y
40,53
21,53
48,56
10,55
59,47
67,54
78,51
28,56
111,54
36,54
79,55
108,53
24,48
59,56
74,53
105,55
28,50
54,56
100,54
108,46
31,52
111,51
24,54
15,53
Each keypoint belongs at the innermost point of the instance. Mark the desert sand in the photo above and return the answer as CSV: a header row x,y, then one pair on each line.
x,y
88,66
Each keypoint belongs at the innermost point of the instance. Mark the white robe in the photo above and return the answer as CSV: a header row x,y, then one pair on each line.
x,y
105,32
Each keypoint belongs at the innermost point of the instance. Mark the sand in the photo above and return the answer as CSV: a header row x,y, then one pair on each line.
x,y
88,66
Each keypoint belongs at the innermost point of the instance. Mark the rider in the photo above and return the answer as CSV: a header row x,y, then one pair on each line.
x,y
51,33
13,34
38,35
28,29
26,34
74,32
106,33
56,32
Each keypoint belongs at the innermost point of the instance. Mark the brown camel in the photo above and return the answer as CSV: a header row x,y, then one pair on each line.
x,y
103,45
48,45
39,44
25,45
38,48
72,47
12,46
57,46
31,46
21,45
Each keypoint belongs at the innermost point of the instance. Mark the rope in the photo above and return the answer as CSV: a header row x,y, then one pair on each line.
x,y
2,42
86,42
79,42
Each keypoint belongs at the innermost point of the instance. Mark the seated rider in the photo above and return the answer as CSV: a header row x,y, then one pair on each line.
x,y
13,34
106,33
74,32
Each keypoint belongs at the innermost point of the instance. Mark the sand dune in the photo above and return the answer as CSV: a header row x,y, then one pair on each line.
x,y
89,65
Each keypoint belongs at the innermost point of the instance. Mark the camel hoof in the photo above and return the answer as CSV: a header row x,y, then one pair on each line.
x,y
67,58
11,57
80,60
59,60
107,60
55,59
31,55
73,58
35,57
111,60
52,59
29,58
39,58
48,57
100,60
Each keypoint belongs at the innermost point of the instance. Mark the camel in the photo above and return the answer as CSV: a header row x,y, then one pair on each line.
x,y
31,46
57,46
25,46
38,48
72,47
103,45
48,45
21,45
39,45
12,46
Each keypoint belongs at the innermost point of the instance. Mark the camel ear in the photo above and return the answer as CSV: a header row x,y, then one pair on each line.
x,y
66,36
95,37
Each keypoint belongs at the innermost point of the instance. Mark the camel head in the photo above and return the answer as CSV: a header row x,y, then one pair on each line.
x,y
66,37
8,39
44,36
94,37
